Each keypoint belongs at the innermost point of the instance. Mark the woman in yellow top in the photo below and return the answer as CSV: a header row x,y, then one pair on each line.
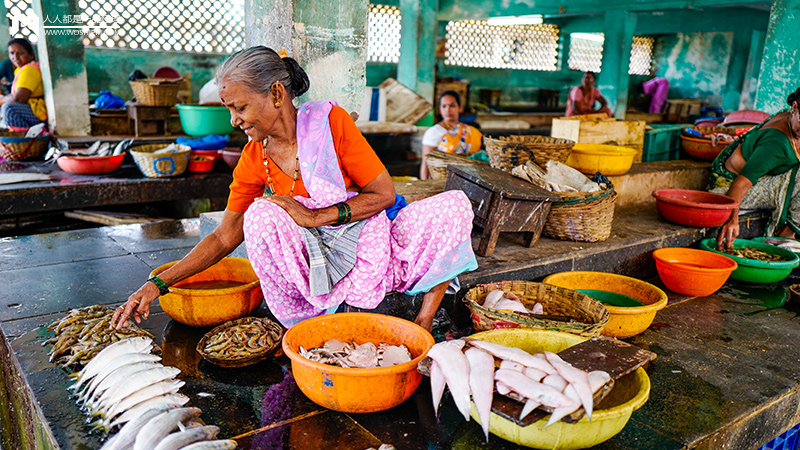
x,y
24,107
449,135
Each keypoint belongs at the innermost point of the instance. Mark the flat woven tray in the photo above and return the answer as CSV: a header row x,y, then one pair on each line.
x,y
274,335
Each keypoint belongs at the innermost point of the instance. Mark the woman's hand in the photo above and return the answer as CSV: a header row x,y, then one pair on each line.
x,y
138,306
302,216
729,232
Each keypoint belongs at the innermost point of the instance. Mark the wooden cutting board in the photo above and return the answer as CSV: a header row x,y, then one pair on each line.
x,y
613,356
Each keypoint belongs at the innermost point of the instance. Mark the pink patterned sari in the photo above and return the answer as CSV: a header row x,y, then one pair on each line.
x,y
426,244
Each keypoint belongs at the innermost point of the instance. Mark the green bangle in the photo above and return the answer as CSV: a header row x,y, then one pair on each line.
x,y
349,213
163,289
342,207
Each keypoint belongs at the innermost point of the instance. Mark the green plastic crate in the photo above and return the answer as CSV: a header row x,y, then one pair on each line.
x,y
662,143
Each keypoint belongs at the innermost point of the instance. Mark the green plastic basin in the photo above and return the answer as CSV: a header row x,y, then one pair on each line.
x,y
201,120
611,298
755,271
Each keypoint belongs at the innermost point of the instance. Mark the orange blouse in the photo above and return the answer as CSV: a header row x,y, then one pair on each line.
x,y
357,161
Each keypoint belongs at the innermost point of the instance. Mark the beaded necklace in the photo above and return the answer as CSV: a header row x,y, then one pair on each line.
x,y
269,189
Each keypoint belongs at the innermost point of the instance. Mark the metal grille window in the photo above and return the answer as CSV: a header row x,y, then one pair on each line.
x,y
641,55
383,35
474,43
16,10
586,51
201,26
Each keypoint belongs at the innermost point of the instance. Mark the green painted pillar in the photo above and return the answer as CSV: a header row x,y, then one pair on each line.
x,y
614,78
737,69
5,34
328,39
753,68
778,77
63,63
415,69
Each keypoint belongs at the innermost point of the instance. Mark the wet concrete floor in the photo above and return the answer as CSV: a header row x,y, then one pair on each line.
x,y
725,377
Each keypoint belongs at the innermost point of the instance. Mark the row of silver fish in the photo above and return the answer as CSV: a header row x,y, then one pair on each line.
x,y
351,355
499,300
541,379
125,385
83,333
60,147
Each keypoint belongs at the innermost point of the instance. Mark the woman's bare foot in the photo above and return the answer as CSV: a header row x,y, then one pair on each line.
x,y
785,232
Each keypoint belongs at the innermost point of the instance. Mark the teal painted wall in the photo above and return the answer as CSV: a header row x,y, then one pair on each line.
x,y
377,72
108,69
695,64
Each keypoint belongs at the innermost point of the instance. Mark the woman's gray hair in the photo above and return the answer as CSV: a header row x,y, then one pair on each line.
x,y
257,68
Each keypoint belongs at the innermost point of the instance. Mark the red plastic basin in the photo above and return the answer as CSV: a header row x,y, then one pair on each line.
x,y
694,208
90,165
210,153
200,164
688,271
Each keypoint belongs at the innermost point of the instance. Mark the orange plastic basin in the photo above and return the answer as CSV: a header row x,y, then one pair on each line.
x,y
693,272
211,307
623,321
356,390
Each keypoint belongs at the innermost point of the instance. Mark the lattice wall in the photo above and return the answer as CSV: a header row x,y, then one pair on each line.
x,y
383,35
641,55
585,54
474,43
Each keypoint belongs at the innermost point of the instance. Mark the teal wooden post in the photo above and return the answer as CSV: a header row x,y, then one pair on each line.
x,y
778,77
737,68
63,64
415,68
5,34
618,31
328,39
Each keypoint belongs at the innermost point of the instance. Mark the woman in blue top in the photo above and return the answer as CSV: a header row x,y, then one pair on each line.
x,y
760,169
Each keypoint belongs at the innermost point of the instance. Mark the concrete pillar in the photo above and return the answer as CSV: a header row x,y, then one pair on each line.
x,y
737,69
618,30
328,39
63,65
418,46
750,83
5,34
778,77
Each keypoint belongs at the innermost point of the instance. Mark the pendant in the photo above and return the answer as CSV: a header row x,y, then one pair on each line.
x,y
268,192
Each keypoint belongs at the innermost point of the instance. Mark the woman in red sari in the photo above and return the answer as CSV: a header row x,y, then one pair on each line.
x,y
582,98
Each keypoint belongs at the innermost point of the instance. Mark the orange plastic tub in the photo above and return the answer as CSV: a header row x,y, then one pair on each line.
x,y
357,390
693,272
211,307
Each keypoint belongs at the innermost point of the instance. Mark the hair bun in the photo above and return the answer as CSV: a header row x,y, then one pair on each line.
x,y
300,81
793,97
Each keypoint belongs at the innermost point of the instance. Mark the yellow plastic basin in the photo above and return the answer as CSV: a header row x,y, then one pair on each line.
x,y
211,307
606,159
624,321
609,418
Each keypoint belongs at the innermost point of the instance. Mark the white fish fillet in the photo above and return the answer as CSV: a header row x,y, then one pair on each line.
x,y
492,298
577,378
153,390
142,344
534,374
537,309
555,381
159,427
143,379
170,400
481,383
123,360
530,405
511,365
511,305
597,379
514,354
528,388
437,385
501,387
127,434
455,368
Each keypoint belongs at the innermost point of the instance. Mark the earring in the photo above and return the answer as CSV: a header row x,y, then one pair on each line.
x,y
278,104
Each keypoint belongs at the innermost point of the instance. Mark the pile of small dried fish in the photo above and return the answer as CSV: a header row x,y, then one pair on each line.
x,y
754,253
542,379
351,355
242,340
497,299
83,333
125,385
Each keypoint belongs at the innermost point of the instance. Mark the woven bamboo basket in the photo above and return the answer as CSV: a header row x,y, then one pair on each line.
x,y
276,332
14,146
794,292
506,153
437,162
156,91
163,165
590,314
581,216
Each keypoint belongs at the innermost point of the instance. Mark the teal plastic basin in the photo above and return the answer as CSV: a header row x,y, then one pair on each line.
x,y
201,120
755,271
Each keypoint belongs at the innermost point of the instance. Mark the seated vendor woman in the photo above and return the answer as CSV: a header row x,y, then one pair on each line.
x,y
759,169
449,135
307,181
24,107
582,98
